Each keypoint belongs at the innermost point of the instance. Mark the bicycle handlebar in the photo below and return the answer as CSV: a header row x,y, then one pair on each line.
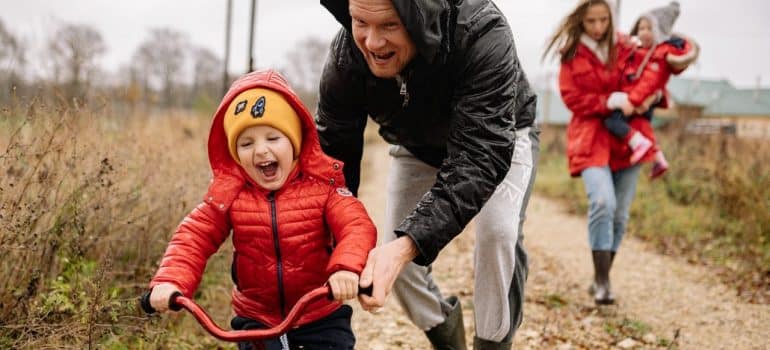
x,y
177,301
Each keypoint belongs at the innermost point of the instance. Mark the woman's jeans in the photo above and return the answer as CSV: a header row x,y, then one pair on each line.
x,y
609,201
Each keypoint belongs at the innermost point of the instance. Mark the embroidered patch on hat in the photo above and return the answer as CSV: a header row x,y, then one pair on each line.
x,y
342,191
241,106
259,107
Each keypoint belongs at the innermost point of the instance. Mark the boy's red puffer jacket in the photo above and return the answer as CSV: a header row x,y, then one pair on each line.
x,y
286,242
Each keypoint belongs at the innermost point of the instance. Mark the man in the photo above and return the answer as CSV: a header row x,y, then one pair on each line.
x,y
443,82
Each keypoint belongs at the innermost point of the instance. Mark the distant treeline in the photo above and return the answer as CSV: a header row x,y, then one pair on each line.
x,y
165,71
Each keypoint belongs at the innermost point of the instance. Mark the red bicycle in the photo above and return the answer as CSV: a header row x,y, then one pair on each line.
x,y
179,301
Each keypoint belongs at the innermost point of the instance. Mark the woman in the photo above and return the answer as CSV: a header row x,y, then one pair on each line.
x,y
591,56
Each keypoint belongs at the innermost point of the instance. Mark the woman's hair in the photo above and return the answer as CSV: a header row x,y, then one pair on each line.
x,y
567,36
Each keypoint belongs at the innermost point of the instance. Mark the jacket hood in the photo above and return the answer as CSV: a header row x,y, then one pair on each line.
x,y
661,20
426,21
312,160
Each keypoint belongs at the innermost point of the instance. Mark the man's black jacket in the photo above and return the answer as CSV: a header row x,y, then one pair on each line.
x,y
465,93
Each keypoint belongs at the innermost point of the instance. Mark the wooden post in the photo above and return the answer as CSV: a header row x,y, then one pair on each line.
x,y
225,73
251,36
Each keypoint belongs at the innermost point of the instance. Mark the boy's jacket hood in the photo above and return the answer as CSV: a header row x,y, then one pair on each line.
x,y
229,176
426,21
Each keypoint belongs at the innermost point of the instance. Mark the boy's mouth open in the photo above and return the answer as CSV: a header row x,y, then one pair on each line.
x,y
268,169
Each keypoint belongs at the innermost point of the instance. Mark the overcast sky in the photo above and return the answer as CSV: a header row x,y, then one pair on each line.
x,y
734,36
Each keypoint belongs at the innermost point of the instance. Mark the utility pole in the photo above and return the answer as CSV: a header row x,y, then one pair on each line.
x,y
226,75
251,36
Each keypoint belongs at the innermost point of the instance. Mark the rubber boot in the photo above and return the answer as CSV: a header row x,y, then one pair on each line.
x,y
481,344
449,335
602,293
592,288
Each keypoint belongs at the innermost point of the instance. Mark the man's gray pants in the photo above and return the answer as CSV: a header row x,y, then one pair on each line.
x,y
499,258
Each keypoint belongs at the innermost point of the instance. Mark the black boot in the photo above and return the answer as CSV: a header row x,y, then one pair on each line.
x,y
601,287
449,335
481,344
612,259
592,288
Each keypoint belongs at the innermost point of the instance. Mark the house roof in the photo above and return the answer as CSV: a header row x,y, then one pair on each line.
x,y
696,91
748,102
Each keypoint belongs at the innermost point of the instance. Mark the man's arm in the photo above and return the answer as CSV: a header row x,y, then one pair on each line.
x,y
491,89
341,118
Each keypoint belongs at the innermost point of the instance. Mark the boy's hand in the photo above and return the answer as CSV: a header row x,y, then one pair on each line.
x,y
160,296
344,285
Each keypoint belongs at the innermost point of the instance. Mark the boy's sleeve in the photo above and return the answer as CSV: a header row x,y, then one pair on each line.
x,y
354,233
198,237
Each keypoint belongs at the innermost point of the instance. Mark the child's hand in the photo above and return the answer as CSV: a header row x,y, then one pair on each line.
x,y
344,285
160,296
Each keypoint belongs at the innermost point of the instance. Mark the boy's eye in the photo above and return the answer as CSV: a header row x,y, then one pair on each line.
x,y
273,138
244,144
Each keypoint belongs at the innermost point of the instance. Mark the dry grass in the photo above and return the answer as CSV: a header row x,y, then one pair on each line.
x,y
87,203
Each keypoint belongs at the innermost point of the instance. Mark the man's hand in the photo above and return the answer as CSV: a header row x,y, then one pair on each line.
x,y
382,267
160,295
344,285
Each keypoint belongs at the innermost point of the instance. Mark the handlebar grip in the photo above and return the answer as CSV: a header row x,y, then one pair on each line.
x,y
172,304
144,302
366,291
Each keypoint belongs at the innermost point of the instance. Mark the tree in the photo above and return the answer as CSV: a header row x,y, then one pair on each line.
x,y
12,61
305,64
74,49
207,70
161,59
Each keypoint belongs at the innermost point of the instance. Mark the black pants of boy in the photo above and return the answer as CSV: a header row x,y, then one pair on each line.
x,y
617,123
332,332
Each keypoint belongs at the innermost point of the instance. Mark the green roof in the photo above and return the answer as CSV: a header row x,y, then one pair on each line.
x,y
748,102
697,92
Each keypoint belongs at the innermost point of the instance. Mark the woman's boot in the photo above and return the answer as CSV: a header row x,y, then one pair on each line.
x,y
601,287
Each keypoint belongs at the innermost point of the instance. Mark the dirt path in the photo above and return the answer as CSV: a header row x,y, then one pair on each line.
x,y
663,302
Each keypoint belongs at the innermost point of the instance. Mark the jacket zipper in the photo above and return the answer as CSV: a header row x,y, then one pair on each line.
x,y
403,91
279,263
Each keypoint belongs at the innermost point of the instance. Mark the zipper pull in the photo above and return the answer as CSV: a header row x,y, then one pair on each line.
x,y
404,93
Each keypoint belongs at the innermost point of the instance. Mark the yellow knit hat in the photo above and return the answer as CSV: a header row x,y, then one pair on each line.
x,y
260,106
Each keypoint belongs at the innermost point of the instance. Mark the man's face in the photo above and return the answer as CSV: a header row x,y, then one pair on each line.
x,y
381,37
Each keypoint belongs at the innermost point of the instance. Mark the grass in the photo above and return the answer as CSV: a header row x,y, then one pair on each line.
x,y
88,201
712,208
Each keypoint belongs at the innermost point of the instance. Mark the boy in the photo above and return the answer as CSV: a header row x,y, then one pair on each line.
x,y
295,226
646,74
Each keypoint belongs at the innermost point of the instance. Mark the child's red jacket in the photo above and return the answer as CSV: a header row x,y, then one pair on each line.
x,y
665,59
286,242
